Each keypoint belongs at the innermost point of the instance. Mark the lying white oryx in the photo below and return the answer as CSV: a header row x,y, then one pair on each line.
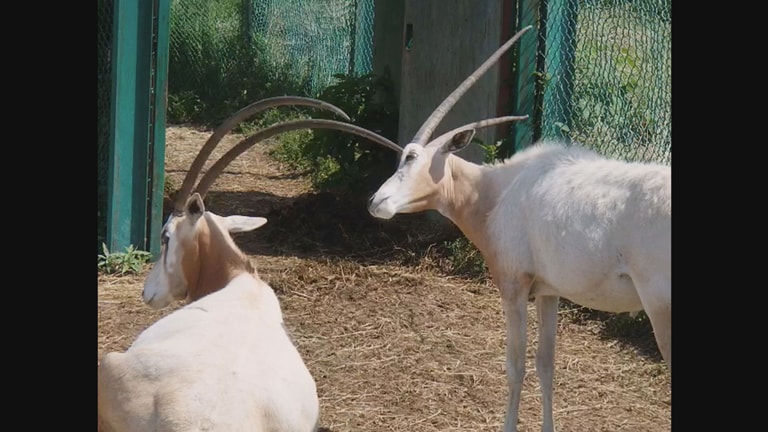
x,y
551,221
224,362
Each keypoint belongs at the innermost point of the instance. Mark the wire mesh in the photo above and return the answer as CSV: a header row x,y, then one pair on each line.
x,y
318,39
227,53
607,79
224,54
604,79
104,89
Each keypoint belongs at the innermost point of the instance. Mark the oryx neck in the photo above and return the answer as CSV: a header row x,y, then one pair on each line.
x,y
466,198
220,260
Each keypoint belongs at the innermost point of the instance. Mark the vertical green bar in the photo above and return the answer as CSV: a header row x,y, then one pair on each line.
x,y
132,117
353,22
561,49
121,211
526,63
160,91
246,21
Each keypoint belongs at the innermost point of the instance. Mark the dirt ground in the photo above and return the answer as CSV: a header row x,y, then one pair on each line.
x,y
394,341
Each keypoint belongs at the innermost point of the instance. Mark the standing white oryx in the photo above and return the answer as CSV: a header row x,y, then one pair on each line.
x,y
551,221
224,362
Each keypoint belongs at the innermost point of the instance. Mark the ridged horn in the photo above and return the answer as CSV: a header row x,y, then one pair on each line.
x,y
197,165
476,125
217,168
429,126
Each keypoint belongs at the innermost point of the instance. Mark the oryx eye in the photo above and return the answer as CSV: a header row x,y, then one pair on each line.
x,y
164,238
409,157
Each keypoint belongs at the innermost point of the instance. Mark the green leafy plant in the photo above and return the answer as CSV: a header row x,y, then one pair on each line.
x,y
490,151
338,160
184,107
129,262
465,258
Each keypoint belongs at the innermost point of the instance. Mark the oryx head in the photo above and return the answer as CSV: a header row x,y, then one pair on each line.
x,y
415,184
175,273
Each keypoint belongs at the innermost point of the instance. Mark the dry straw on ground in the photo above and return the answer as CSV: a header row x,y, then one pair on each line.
x,y
393,342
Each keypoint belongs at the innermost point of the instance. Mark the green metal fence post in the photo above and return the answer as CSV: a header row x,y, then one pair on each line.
x,y
246,21
353,38
560,49
123,208
134,200
526,67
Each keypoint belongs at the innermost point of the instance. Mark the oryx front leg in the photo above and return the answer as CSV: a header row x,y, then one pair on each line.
x,y
545,356
514,294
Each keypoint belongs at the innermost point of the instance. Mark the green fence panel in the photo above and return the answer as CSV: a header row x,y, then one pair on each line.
x,y
103,109
607,76
225,54
596,72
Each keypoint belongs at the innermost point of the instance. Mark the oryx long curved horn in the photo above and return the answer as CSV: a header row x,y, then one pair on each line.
x,y
476,125
429,126
216,169
229,124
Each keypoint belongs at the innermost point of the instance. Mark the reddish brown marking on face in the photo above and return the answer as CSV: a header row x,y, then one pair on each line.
x,y
216,261
190,263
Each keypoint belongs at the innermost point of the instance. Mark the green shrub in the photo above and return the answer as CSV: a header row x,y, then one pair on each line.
x,y
339,160
131,261
465,258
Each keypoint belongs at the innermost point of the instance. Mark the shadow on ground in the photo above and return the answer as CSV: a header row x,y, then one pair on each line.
x,y
324,225
635,333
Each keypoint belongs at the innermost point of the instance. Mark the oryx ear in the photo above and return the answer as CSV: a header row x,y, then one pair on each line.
x,y
194,206
237,224
459,141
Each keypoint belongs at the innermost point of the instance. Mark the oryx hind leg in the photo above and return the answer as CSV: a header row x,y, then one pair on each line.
x,y
656,296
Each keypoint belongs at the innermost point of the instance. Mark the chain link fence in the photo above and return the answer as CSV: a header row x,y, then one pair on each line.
x,y
317,39
225,54
603,66
606,79
103,110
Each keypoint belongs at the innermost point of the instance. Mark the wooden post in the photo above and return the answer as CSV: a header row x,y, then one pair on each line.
x,y
388,34
451,38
